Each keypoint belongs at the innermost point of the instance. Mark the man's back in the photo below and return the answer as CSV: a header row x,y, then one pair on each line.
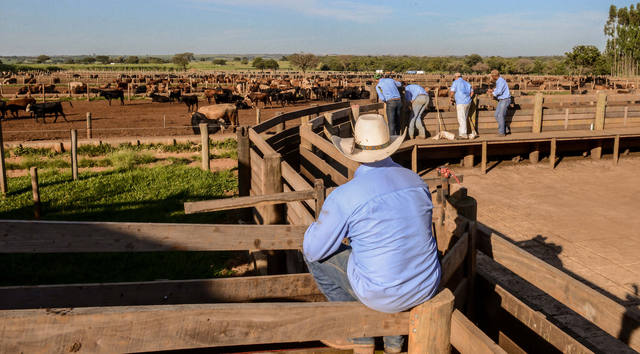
x,y
388,89
412,91
462,91
385,211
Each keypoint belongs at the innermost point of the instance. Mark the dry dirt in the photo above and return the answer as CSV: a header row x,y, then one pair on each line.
x,y
135,118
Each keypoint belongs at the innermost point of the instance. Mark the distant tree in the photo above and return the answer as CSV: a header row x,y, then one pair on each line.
x,y
303,61
143,60
472,59
244,60
42,58
69,61
182,59
236,58
88,60
104,59
523,66
155,60
582,58
480,68
284,58
271,64
538,67
258,63
132,59
219,62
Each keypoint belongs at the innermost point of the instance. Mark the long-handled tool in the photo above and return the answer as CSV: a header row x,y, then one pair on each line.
x,y
442,129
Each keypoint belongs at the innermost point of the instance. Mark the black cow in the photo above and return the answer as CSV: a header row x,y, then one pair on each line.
x,y
112,95
174,95
190,101
213,126
159,98
3,107
41,109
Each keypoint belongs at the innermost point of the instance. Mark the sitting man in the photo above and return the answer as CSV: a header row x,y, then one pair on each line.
x,y
392,263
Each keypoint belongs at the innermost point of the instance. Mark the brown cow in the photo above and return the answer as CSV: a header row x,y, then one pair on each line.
x,y
19,104
227,112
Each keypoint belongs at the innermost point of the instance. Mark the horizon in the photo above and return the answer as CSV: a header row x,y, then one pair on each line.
x,y
280,27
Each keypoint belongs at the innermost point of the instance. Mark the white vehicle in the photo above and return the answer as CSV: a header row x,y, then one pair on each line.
x,y
420,72
379,71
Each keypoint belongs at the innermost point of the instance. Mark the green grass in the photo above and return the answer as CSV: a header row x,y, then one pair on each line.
x,y
152,194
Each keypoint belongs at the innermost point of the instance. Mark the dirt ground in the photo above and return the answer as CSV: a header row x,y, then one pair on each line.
x,y
135,118
580,217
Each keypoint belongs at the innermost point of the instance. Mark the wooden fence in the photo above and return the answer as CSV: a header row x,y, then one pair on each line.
x,y
169,315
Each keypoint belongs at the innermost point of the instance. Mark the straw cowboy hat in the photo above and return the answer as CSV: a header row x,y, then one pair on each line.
x,y
371,141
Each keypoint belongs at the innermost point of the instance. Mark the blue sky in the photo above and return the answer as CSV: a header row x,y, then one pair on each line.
x,y
442,27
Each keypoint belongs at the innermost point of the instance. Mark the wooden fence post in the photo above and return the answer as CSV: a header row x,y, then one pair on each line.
x,y
616,149
44,95
273,214
204,142
476,114
552,154
244,161
430,325
3,167
601,107
74,154
257,116
483,161
537,113
89,132
280,127
318,187
33,171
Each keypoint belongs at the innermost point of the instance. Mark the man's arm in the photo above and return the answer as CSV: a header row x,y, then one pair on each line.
x,y
379,91
500,84
324,236
398,84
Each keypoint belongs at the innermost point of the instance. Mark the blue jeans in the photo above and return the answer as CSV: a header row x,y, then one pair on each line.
x,y
418,105
331,276
394,112
501,112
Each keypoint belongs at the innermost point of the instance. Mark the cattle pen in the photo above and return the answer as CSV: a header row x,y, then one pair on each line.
x,y
285,171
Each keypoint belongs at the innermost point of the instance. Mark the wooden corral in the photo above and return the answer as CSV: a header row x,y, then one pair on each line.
x,y
285,171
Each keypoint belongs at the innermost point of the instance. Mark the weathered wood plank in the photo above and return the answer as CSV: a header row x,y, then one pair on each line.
x,y
610,316
467,338
268,124
534,320
165,292
260,143
328,148
170,327
454,258
20,236
246,202
430,325
324,167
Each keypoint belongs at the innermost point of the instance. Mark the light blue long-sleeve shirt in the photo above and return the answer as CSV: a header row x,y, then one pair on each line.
x,y
385,212
413,91
387,89
462,90
502,89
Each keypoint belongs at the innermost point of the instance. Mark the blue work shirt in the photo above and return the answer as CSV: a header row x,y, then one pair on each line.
x,y
502,89
385,212
462,90
387,89
413,91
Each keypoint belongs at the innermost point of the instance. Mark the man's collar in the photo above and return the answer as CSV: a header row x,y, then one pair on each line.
x,y
366,167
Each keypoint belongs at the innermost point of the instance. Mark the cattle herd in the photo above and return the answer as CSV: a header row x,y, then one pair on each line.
x,y
242,90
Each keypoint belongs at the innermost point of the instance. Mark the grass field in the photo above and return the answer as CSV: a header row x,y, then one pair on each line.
x,y
123,192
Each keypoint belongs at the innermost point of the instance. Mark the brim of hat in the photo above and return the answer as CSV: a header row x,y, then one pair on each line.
x,y
367,156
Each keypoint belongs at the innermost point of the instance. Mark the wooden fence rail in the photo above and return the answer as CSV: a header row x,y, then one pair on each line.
x,y
71,236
